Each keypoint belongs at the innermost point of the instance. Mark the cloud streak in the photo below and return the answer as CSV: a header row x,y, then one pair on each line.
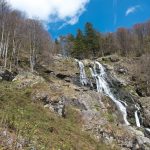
x,y
132,9
115,4
50,11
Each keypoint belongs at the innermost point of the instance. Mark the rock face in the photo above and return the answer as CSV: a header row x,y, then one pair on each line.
x,y
136,139
145,103
100,117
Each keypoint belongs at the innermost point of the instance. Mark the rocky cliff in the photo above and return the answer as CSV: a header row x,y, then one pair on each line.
x,y
51,109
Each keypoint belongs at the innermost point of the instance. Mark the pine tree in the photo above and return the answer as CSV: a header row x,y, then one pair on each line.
x,y
79,45
92,40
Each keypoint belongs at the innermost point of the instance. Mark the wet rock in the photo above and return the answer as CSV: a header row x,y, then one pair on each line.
x,y
140,92
48,71
6,75
61,76
147,132
105,58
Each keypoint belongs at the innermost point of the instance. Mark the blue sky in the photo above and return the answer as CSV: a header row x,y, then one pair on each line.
x,y
107,16
61,17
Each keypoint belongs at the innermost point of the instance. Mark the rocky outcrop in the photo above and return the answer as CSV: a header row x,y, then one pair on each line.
x,y
57,106
100,117
27,79
51,97
145,104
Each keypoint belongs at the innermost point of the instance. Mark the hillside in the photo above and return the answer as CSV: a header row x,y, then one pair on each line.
x,y
67,87
51,109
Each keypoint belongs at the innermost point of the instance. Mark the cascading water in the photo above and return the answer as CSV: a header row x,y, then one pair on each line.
x,y
136,117
100,75
103,86
147,129
83,78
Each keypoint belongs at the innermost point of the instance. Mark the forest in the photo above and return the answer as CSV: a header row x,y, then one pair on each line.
x,y
21,37
90,43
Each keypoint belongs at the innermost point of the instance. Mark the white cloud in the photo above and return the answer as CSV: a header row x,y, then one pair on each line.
x,y
51,11
132,9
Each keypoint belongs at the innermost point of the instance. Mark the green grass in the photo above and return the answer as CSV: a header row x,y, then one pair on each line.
x,y
110,117
40,127
88,72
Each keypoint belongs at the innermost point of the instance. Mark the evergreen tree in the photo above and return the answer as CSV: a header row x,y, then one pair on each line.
x,y
92,40
70,43
79,45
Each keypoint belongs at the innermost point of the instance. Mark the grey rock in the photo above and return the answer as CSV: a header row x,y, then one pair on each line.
x,y
57,106
145,103
114,58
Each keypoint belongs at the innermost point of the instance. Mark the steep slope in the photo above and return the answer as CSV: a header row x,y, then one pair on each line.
x,y
27,124
52,109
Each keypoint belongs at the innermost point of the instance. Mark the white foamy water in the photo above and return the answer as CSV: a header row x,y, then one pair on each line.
x,y
83,78
102,86
137,119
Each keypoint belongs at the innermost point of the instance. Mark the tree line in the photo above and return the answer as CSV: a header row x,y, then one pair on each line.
x,y
23,37
91,43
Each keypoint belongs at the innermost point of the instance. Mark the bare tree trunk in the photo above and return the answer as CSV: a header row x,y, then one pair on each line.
x,y
6,51
2,42
17,57
32,58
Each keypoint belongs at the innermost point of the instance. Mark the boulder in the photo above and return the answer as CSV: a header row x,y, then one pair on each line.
x,y
147,132
114,58
7,75
121,69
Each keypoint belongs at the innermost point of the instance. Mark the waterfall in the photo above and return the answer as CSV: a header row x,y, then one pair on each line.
x,y
147,129
83,78
100,75
103,86
137,119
